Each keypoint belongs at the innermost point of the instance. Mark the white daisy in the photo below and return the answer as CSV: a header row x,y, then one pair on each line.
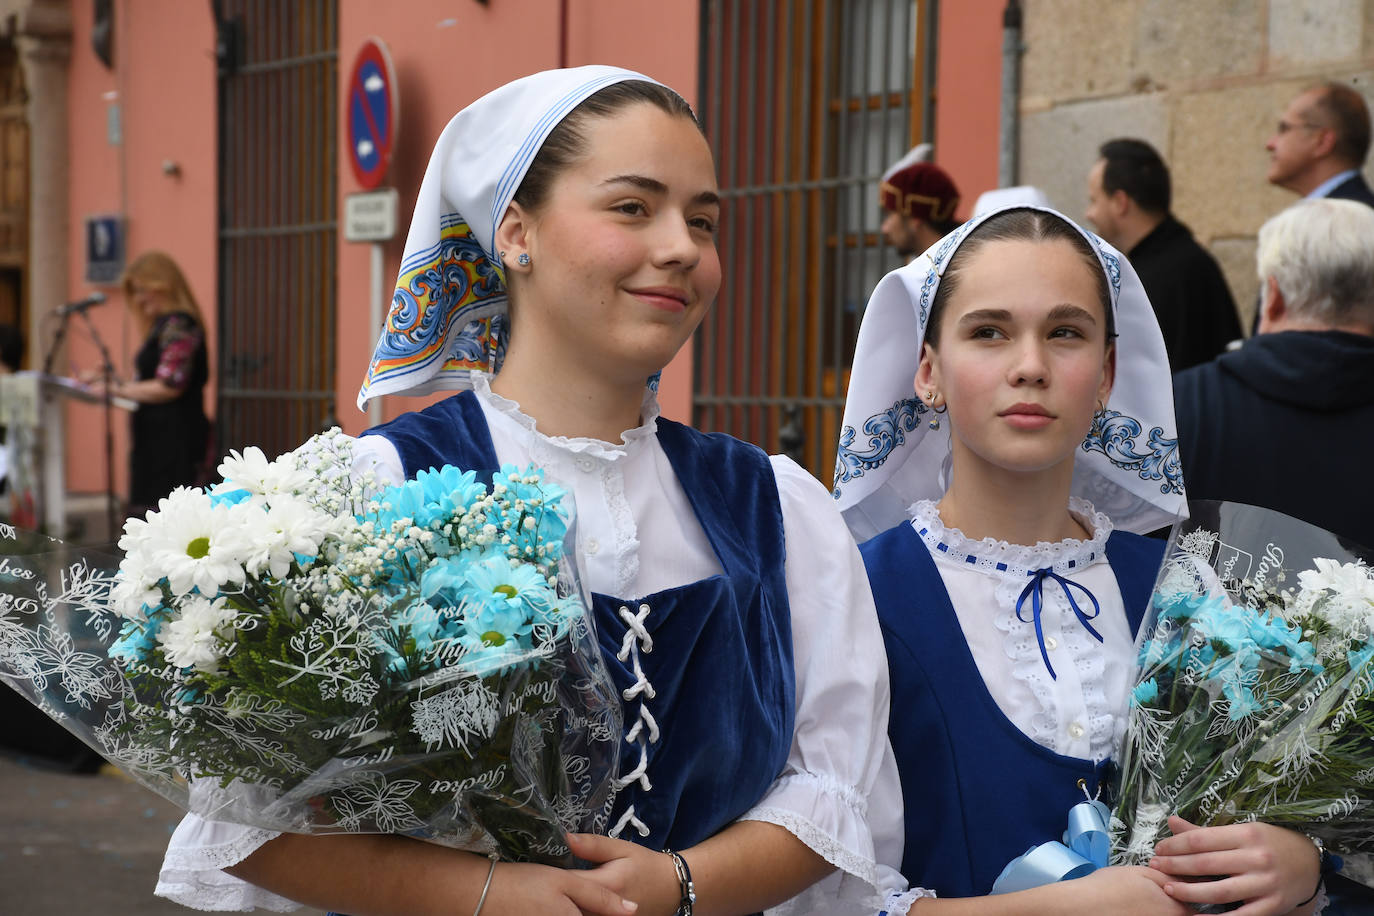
x,y
250,470
197,545
289,527
1350,580
198,638
134,587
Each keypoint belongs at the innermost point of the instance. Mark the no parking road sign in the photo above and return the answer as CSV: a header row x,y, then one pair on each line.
x,y
372,113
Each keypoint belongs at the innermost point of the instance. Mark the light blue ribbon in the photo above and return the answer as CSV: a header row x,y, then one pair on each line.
x,y
1035,591
1084,850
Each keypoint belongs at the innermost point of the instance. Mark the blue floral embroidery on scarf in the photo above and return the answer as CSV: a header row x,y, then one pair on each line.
x,y
1113,272
937,261
1115,435
886,433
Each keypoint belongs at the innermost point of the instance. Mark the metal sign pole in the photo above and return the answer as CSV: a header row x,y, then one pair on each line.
x,y
374,406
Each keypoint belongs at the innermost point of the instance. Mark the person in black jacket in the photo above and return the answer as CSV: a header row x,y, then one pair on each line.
x,y
1287,420
1321,143
1129,196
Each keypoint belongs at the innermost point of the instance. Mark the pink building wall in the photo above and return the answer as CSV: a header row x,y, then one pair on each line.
x,y
163,84
968,87
443,63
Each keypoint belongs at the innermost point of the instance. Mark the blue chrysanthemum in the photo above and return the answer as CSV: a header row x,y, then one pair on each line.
x,y
1359,658
418,621
1229,626
1155,651
1184,605
138,638
449,491
1145,692
503,598
222,494
1242,703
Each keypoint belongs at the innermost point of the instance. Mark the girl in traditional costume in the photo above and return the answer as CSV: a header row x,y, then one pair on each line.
x,y
1000,506
562,251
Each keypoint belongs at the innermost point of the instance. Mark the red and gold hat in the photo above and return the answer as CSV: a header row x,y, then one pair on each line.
x,y
923,191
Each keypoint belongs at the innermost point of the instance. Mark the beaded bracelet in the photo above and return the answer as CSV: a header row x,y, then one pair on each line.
x,y
684,880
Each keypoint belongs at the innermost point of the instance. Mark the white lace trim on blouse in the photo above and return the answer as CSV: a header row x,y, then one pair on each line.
x,y
832,819
1015,561
648,423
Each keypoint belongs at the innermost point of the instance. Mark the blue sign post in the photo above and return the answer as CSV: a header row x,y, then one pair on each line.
x,y
372,114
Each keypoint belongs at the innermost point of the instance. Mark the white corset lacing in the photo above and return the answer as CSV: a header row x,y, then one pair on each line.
x,y
645,730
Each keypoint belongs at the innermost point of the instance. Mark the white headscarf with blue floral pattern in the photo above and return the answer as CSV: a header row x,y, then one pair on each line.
x,y
889,458
448,313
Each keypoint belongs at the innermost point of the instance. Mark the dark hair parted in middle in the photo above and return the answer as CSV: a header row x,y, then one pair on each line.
x,y
567,143
1133,166
1022,225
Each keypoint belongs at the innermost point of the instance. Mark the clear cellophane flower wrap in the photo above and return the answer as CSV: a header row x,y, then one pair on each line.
x,y
1255,696
301,650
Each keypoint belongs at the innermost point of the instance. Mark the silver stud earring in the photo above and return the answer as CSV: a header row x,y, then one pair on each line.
x,y
523,260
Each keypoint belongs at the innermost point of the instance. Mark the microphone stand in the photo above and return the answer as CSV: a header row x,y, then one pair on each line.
x,y
107,372
51,357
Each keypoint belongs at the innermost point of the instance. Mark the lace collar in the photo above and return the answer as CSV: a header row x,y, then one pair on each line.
x,y
1016,561
598,448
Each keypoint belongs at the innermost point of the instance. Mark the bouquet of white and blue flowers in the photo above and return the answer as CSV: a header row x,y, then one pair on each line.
x,y
301,650
1255,699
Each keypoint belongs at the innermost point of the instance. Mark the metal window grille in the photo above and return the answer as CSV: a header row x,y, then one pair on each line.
x,y
805,102
277,237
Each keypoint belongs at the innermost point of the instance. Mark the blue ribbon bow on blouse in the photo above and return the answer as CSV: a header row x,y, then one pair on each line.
x,y
1035,591
1085,849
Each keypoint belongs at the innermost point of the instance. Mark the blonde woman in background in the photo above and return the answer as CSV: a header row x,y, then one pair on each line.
x,y
169,429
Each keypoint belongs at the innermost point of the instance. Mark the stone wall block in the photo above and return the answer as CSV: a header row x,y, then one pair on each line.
x,y
1077,48
1178,42
1303,32
1367,53
1059,146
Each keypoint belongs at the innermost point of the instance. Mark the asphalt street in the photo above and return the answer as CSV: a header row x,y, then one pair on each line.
x,y
81,844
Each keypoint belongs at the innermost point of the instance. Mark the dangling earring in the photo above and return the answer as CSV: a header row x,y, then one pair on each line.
x,y
935,420
1098,416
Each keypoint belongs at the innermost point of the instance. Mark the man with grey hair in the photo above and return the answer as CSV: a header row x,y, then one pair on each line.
x,y
1287,420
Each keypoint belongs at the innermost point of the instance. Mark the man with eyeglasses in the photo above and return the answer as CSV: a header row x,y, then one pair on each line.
x,y
1321,143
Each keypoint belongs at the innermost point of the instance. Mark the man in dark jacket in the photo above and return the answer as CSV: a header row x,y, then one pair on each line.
x,y
1321,144
1129,197
1287,420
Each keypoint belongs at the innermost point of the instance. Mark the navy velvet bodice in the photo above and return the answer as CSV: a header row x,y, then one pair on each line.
x,y
976,790
721,668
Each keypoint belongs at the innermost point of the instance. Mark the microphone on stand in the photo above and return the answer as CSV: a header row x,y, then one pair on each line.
x,y
80,305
